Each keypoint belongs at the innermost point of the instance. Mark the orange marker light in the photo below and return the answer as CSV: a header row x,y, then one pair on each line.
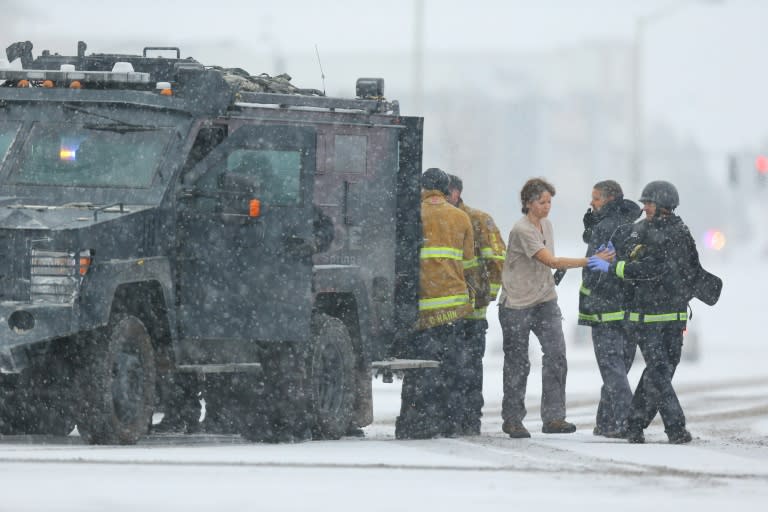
x,y
166,92
23,83
85,262
75,85
48,84
254,208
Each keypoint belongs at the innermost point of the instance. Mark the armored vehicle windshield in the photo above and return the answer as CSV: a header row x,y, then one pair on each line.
x,y
106,155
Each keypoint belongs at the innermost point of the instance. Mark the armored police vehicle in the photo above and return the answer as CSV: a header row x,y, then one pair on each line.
x,y
160,218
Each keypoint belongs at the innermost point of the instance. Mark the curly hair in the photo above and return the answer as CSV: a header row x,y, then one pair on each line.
x,y
533,189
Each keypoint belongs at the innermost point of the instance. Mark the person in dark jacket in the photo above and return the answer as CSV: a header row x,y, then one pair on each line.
x,y
602,306
661,270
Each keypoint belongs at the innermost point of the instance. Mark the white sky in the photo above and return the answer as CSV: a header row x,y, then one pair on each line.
x,y
705,70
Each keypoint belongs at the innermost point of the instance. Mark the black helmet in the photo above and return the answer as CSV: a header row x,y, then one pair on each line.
x,y
662,193
435,179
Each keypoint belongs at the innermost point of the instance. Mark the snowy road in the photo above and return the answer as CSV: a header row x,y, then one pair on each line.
x,y
726,465
723,391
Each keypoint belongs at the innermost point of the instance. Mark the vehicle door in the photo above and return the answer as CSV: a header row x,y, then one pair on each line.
x,y
245,238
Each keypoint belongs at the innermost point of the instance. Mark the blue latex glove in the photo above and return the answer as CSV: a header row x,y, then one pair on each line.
x,y
610,247
595,263
601,248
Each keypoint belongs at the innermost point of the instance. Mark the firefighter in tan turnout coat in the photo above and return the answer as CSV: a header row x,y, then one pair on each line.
x,y
490,251
449,276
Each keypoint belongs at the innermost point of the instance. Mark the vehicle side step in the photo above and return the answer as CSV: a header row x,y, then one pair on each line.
x,y
203,369
388,367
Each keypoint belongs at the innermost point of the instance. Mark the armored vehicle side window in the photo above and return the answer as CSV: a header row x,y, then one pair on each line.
x,y
7,134
350,153
98,156
275,173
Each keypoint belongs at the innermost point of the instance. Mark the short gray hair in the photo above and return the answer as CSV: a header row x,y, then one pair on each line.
x,y
609,189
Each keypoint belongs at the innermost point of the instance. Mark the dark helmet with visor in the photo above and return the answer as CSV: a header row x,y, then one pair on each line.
x,y
662,193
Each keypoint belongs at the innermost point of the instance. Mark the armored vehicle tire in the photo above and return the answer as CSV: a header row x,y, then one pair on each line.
x,y
118,385
331,369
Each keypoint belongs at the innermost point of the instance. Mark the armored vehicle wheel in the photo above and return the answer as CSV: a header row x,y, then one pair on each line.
x,y
118,384
331,368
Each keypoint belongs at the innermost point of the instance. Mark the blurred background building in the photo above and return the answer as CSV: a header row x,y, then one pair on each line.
x,y
575,92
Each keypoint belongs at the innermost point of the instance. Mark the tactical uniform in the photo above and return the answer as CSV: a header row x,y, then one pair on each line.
x,y
428,400
661,270
490,252
602,306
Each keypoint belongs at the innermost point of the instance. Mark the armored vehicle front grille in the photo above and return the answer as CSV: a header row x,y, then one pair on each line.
x,y
14,266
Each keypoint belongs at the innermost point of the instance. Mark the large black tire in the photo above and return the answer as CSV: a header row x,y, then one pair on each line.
x,y
118,383
331,371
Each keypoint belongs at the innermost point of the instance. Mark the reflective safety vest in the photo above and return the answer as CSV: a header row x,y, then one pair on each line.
x,y
449,270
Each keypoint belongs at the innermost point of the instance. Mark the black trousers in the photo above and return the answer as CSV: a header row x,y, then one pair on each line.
x,y
661,345
430,401
614,352
469,373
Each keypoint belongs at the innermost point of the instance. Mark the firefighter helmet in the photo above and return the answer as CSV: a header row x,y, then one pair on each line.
x,y
662,193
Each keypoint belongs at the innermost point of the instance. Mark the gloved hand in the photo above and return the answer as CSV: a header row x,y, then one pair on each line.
x,y
596,264
610,247
589,219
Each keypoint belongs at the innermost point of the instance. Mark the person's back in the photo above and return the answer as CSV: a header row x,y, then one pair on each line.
x,y
447,251
471,330
489,249
447,263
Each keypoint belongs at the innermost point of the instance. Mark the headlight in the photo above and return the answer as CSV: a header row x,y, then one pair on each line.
x,y
56,276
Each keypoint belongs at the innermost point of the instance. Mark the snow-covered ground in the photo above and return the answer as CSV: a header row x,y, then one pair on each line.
x,y
723,384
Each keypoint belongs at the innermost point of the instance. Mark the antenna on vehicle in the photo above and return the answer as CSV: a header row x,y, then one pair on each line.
x,y
322,74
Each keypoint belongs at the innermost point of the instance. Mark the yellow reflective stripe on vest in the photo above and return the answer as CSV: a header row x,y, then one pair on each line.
x,y
449,253
443,302
471,263
665,317
477,314
584,290
662,317
614,316
489,254
620,269
495,287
